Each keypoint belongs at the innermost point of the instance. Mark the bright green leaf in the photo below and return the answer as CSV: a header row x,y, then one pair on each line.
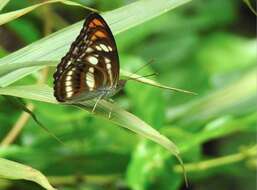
x,y
14,170
119,116
7,17
53,47
3,3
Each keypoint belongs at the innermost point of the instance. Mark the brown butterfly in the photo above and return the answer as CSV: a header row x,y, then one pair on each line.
x,y
90,69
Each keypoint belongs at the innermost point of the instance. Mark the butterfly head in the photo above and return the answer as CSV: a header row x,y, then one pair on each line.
x,y
121,84
114,90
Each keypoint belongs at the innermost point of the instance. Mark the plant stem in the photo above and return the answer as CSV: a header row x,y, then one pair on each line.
x,y
225,160
16,129
69,180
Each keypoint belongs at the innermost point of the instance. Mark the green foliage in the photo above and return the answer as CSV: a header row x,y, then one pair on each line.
x,y
7,169
202,46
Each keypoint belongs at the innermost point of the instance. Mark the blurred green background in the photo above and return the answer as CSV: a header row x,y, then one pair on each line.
x,y
208,47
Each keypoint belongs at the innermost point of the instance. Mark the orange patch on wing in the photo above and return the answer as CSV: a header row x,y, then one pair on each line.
x,y
97,22
91,25
100,34
93,38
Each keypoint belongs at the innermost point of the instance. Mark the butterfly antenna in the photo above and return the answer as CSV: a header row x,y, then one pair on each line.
x,y
143,66
149,75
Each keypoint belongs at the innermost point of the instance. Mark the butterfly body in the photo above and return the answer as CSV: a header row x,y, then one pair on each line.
x,y
90,69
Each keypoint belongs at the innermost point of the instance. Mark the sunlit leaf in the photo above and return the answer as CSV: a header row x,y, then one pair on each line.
x,y
3,3
242,92
14,170
53,47
7,17
118,115
153,83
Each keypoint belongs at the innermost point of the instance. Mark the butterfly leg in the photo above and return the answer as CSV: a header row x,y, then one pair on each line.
x,y
110,112
110,115
97,101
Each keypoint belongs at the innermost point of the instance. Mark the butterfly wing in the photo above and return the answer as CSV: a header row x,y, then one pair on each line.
x,y
91,64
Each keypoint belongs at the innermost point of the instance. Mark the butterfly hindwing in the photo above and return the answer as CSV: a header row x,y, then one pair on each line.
x,y
79,80
91,65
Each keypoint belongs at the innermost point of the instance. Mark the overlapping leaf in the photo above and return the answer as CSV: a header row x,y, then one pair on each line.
x,y
53,47
50,49
14,170
7,17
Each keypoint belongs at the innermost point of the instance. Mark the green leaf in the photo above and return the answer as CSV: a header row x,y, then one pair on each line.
x,y
3,52
218,128
18,103
7,17
119,116
147,81
53,47
225,53
34,92
155,112
248,3
25,30
3,3
14,170
151,168
148,167
241,93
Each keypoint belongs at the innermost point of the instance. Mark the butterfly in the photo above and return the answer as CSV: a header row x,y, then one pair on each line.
x,y
90,69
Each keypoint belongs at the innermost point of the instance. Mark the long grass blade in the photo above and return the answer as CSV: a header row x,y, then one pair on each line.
x,y
154,83
54,46
7,17
119,115
3,3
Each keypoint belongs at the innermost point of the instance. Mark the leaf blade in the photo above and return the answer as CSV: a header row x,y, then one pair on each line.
x,y
54,46
7,17
14,170
147,81
119,116
3,3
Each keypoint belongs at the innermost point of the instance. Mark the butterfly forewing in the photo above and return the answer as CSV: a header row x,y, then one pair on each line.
x,y
91,65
